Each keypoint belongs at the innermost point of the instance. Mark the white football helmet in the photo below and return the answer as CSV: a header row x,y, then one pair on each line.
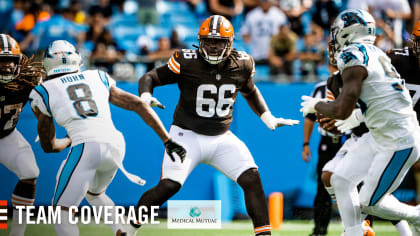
x,y
61,57
351,26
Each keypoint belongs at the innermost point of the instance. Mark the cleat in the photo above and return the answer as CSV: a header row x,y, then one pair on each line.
x,y
367,229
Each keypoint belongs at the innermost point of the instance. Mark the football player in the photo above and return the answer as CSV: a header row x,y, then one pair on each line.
x,y
209,79
79,101
392,145
18,75
407,63
334,85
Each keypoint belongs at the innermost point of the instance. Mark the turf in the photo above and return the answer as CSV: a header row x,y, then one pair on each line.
x,y
237,228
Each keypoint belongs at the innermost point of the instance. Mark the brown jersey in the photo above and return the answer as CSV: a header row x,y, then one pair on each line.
x,y
15,94
208,92
407,66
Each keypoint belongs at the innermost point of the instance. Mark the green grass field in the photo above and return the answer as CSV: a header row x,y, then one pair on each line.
x,y
237,228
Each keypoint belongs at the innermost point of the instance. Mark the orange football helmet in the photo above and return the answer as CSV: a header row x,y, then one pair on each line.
x,y
216,38
10,58
415,36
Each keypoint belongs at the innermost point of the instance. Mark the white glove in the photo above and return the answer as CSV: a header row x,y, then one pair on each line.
x,y
308,104
273,122
152,101
351,122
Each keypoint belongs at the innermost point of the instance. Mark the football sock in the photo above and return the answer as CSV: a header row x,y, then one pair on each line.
x,y
65,228
23,194
356,230
18,229
390,208
157,195
104,200
348,205
263,230
331,192
403,228
256,204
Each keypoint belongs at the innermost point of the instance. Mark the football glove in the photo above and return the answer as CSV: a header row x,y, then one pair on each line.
x,y
273,122
308,104
152,101
171,146
351,122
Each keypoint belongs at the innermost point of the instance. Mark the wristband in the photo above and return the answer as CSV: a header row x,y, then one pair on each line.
x,y
306,144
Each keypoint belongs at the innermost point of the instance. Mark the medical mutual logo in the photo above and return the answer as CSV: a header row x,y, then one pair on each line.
x,y
194,214
3,214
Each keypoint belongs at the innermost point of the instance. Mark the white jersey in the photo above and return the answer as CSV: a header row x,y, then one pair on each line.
x,y
384,100
80,103
261,26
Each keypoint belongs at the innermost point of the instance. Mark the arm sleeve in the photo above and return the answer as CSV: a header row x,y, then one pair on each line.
x,y
354,55
37,100
249,85
170,72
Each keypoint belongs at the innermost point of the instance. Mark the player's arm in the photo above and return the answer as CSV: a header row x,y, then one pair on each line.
x,y
258,105
46,132
165,74
131,102
254,98
343,106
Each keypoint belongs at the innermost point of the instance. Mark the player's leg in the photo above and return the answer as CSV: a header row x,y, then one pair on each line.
x,y
73,180
18,157
255,201
347,175
96,194
402,227
233,159
322,203
384,177
173,173
330,167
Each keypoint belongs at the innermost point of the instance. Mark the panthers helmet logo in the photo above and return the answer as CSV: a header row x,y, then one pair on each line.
x,y
351,18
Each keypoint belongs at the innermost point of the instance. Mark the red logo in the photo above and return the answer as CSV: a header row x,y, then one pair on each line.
x,y
3,214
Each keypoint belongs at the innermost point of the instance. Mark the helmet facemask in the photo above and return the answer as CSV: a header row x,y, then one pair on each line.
x,y
9,67
215,49
331,53
216,37
61,57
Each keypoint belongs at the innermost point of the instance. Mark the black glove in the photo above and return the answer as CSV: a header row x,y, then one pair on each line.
x,y
171,146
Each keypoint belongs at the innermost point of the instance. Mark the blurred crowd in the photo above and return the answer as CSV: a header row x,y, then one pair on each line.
x,y
287,38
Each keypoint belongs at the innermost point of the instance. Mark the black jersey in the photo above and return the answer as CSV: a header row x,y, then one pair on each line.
x,y
334,85
12,101
407,65
208,92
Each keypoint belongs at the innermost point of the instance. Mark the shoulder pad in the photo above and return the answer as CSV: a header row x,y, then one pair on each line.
x,y
352,55
179,57
245,60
